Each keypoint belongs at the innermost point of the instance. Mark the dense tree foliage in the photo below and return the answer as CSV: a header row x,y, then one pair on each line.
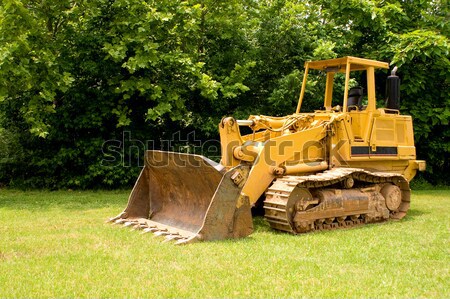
x,y
83,84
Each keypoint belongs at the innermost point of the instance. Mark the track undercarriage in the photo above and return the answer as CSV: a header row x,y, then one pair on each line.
x,y
337,198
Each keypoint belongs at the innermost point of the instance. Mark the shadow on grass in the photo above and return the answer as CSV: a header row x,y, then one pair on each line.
x,y
413,213
261,225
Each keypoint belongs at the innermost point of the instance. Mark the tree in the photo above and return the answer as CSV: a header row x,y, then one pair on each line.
x,y
75,74
91,70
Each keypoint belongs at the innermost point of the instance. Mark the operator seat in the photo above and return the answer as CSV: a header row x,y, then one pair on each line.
x,y
355,95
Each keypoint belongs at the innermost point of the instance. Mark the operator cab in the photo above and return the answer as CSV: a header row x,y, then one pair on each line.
x,y
353,97
370,132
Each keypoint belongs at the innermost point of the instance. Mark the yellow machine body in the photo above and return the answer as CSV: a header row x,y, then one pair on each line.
x,y
336,167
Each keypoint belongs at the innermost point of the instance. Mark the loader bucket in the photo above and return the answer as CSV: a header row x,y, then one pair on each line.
x,y
187,198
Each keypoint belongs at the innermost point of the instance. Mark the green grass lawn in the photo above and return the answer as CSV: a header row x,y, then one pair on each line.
x,y
56,244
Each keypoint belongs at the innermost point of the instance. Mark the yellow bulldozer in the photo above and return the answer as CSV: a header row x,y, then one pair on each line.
x,y
341,166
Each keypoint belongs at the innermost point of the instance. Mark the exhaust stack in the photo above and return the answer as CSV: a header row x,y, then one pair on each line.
x,y
393,91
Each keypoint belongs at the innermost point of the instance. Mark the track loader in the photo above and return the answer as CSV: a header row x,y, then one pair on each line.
x,y
341,166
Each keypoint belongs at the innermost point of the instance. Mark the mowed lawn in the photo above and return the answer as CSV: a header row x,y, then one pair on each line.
x,y
56,244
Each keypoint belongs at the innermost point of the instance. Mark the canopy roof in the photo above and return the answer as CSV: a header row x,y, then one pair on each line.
x,y
339,64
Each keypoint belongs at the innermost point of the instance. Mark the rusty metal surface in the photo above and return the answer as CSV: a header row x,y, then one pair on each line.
x,y
186,198
299,204
229,215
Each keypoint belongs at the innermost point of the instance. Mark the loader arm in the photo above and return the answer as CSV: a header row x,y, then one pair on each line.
x,y
275,152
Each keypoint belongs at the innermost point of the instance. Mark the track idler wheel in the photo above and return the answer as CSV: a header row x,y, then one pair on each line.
x,y
393,196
